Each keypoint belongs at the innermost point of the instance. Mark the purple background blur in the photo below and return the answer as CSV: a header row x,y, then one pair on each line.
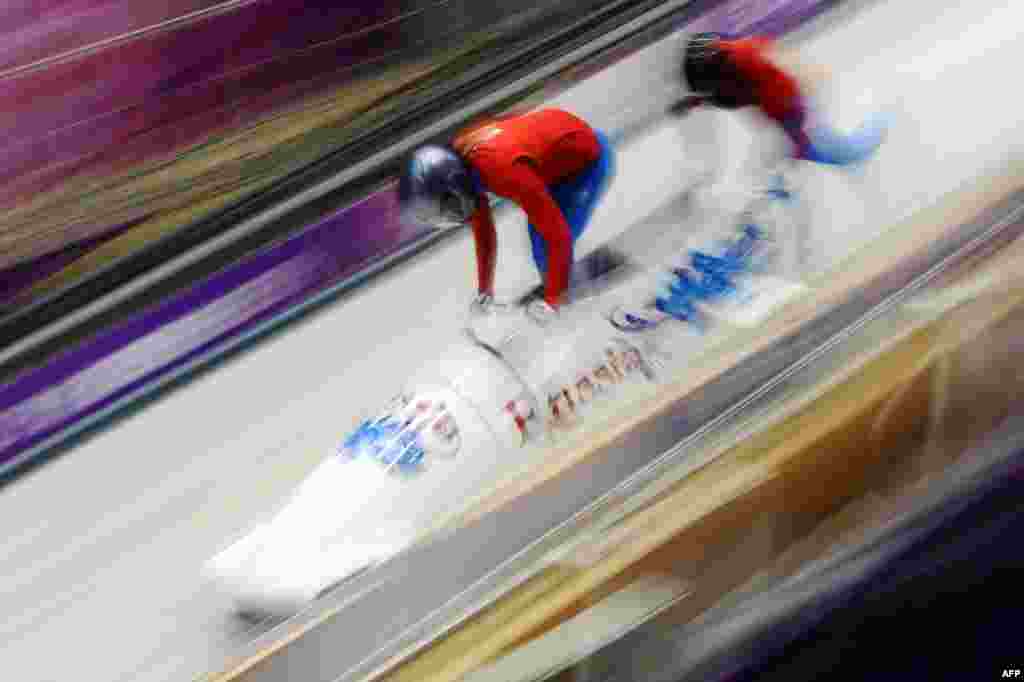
x,y
104,101
108,109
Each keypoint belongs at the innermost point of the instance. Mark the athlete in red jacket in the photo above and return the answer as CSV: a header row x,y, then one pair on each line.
x,y
739,72
549,162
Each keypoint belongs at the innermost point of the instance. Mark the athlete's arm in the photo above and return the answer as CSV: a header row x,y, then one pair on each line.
x,y
523,185
794,129
485,238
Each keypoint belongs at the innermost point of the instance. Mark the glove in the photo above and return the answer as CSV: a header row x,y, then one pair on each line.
x,y
541,312
481,305
484,304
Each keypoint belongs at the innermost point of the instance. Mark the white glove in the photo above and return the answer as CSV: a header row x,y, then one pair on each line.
x,y
481,305
541,312
484,304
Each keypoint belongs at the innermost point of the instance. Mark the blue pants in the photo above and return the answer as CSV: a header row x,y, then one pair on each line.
x,y
578,197
820,143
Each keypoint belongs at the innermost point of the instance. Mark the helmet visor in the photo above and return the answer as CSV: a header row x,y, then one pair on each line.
x,y
443,212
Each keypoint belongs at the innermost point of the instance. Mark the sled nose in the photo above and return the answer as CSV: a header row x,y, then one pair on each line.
x,y
264,578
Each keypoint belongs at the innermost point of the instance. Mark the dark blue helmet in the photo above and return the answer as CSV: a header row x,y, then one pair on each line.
x,y
707,72
702,59
437,188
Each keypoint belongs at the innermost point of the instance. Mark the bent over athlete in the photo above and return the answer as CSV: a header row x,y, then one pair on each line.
x,y
732,73
549,162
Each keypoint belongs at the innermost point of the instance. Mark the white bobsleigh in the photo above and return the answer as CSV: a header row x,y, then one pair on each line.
x,y
461,425
458,426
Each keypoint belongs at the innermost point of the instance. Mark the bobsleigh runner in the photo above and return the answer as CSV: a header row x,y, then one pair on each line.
x,y
464,422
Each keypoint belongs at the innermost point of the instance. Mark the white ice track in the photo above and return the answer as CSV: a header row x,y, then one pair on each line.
x,y
102,547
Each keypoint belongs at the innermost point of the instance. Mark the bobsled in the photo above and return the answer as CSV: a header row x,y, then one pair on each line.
x,y
461,424
455,428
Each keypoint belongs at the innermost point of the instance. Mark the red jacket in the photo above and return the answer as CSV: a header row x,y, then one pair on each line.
x,y
518,158
777,93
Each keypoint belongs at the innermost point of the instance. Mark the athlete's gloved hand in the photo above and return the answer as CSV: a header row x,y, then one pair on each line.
x,y
541,312
481,305
484,304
